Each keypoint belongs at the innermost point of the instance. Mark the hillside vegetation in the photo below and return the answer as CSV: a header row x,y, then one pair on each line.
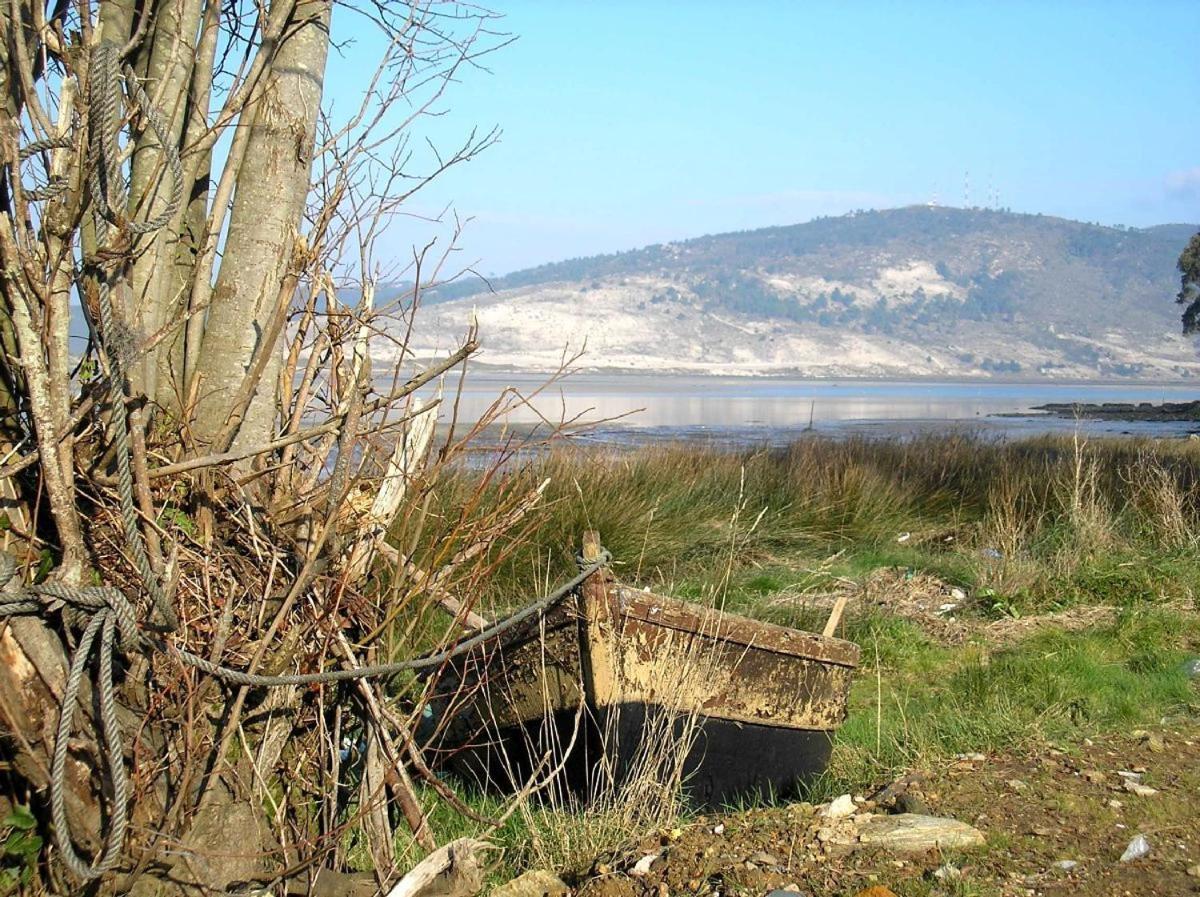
x,y
902,292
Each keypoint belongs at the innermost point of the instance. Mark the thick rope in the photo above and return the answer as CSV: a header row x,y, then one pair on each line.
x,y
104,102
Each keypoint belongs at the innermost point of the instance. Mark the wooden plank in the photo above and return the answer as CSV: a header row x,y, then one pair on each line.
x,y
674,613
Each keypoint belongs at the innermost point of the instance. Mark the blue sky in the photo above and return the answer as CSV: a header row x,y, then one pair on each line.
x,y
633,123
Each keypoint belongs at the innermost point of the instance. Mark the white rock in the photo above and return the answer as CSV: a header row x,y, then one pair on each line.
x,y
840,808
642,866
1139,789
914,833
948,872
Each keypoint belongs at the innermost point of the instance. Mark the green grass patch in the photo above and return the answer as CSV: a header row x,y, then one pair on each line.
x,y
919,702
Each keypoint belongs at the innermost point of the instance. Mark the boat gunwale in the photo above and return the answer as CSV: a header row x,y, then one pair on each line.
x,y
731,628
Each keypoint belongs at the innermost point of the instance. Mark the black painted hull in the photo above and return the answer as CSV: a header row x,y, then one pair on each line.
x,y
727,761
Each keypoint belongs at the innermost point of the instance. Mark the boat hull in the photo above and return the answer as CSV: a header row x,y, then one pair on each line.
x,y
616,685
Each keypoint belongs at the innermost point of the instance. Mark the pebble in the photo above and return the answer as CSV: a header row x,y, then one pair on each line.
x,y
762,858
1017,785
1066,865
877,891
719,829
535,883
1151,740
1194,871
948,872
1094,776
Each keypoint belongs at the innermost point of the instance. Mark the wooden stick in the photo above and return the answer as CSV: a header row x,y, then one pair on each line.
x,y
835,615
451,871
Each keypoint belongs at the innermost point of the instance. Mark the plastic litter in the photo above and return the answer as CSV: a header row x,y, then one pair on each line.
x,y
1138,848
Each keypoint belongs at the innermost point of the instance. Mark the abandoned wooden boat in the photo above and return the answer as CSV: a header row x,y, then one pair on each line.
x,y
615,683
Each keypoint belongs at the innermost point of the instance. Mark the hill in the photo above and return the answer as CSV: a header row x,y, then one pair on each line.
x,y
917,291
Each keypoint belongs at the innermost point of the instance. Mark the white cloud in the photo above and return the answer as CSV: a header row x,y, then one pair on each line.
x,y
1184,183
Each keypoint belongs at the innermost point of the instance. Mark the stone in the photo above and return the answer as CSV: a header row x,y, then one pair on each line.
x,y
762,858
1066,865
1194,871
840,808
947,872
911,803
535,883
916,833
1139,789
1094,776
642,866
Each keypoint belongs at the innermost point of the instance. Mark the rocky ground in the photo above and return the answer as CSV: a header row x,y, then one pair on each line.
x,y
1058,821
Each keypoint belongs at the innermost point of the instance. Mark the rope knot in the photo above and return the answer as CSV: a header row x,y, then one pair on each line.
x,y
602,560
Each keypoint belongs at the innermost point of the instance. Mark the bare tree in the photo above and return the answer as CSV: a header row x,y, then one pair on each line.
x,y
194,495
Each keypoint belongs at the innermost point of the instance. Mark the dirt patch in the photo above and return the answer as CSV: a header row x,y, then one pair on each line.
x,y
943,611
1056,823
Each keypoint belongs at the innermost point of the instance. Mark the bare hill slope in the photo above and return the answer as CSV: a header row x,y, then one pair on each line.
x,y
917,291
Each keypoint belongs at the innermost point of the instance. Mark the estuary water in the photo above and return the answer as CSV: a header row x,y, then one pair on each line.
x,y
645,408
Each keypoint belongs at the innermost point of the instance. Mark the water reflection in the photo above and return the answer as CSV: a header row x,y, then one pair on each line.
x,y
651,407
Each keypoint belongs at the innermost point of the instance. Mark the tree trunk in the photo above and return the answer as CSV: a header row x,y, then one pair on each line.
x,y
263,230
159,295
